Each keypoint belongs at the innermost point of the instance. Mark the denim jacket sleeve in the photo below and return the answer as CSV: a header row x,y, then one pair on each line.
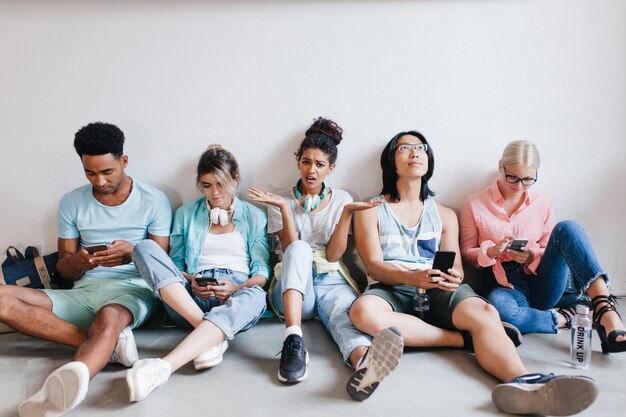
x,y
260,253
177,240
253,222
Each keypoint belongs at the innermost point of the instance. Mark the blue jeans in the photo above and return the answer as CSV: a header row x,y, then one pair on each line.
x,y
241,310
327,295
567,268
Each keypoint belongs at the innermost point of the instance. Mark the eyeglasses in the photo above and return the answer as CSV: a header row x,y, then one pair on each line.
x,y
409,147
512,179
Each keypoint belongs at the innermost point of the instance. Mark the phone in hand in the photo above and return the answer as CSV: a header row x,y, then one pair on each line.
x,y
204,281
518,244
444,260
91,249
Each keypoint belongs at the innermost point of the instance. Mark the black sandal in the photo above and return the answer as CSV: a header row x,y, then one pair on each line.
x,y
567,312
601,305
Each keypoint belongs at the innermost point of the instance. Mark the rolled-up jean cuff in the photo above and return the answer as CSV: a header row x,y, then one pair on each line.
x,y
346,350
221,324
293,288
164,283
225,327
251,299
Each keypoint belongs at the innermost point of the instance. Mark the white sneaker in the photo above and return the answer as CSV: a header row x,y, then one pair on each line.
x,y
211,357
125,352
63,390
381,359
146,375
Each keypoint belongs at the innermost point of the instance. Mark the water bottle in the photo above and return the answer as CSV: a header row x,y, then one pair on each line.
x,y
580,348
421,303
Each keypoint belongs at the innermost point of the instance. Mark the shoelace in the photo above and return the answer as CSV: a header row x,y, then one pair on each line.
x,y
292,350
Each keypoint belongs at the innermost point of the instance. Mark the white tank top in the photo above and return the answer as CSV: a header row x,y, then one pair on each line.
x,y
226,250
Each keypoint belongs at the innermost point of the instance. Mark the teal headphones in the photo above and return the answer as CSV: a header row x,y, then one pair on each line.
x,y
310,203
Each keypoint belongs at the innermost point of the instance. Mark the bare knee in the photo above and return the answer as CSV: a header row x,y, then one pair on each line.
x,y
110,320
363,314
13,297
7,302
474,314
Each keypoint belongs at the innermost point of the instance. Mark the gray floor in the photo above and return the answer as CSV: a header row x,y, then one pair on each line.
x,y
426,383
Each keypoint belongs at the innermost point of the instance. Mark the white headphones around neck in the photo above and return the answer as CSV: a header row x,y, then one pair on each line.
x,y
218,215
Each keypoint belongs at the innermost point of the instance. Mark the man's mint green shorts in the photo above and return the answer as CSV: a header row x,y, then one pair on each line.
x,y
80,304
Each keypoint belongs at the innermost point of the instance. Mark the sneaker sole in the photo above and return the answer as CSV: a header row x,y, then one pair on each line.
x,y
206,364
130,381
561,396
384,356
61,392
199,366
295,378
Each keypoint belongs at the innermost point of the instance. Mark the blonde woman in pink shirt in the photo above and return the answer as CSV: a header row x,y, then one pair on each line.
x,y
527,285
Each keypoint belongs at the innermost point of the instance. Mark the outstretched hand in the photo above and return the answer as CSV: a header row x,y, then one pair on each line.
x,y
265,197
362,205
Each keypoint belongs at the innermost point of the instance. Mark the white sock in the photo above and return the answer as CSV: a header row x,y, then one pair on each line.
x,y
292,330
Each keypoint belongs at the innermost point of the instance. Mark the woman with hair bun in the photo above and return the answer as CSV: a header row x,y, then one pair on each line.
x,y
213,278
312,222
526,283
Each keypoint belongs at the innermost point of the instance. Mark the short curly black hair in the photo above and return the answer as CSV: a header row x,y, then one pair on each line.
x,y
99,139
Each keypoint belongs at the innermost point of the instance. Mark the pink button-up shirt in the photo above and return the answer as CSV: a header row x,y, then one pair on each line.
x,y
484,222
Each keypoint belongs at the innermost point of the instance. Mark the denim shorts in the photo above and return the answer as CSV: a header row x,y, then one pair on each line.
x,y
442,303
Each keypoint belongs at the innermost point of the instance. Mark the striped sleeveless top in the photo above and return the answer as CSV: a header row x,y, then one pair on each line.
x,y
413,247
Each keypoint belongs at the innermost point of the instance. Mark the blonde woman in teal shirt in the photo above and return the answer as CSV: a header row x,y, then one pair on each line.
x,y
213,278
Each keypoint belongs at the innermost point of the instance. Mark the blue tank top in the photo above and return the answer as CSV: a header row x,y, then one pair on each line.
x,y
413,247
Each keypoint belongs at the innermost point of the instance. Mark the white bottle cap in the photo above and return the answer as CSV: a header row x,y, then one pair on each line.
x,y
582,309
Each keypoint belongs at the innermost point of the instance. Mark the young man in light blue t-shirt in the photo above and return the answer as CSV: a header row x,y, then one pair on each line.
x,y
109,296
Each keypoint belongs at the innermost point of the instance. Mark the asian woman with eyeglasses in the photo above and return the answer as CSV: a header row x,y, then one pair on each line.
x,y
531,287
312,221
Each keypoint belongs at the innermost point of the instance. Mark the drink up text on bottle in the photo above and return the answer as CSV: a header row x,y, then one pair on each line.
x,y
580,347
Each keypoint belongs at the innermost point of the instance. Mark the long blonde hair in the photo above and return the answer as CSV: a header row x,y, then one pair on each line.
x,y
521,152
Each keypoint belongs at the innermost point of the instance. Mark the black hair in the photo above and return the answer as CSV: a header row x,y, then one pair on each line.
x,y
390,172
323,134
99,139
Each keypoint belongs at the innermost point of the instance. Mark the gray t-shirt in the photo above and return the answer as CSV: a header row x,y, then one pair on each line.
x,y
315,227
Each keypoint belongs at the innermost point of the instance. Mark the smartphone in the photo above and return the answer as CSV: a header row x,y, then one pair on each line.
x,y
518,244
444,260
204,281
91,249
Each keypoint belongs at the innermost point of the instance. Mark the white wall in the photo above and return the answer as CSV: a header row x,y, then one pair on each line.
x,y
175,76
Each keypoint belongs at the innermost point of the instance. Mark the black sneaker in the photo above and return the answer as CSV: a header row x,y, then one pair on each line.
x,y
381,358
294,359
552,395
